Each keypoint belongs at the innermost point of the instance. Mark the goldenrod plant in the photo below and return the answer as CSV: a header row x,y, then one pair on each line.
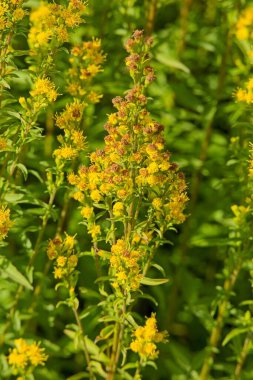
x,y
126,189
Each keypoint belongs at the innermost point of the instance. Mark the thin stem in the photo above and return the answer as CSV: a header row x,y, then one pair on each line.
x,y
151,14
116,346
217,329
243,355
84,345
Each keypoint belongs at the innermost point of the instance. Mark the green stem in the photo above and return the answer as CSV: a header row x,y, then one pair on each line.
x,y
217,329
84,345
116,346
243,355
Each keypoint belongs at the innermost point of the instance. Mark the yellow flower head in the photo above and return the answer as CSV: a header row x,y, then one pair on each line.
x,y
44,88
146,339
5,222
25,355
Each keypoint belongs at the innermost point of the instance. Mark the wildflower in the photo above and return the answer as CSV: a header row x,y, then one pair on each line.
x,y
87,212
69,241
24,355
53,20
45,88
244,24
95,195
5,222
72,261
61,261
65,153
157,203
3,143
58,273
118,209
18,14
95,231
17,359
146,338
36,354
240,213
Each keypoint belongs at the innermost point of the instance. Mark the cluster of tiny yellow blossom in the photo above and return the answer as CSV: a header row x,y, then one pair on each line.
x,y
250,162
241,212
11,12
43,92
146,338
24,357
62,252
50,24
5,222
244,31
73,140
125,263
134,163
86,60
244,26
245,95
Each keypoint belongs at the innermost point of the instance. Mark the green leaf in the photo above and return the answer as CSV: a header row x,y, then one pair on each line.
x,y
91,346
78,376
148,297
172,62
10,271
13,198
158,267
23,169
106,332
234,333
153,281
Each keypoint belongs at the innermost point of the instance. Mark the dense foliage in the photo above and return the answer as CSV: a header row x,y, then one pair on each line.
x,y
126,186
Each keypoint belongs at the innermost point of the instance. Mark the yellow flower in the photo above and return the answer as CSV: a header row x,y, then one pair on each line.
x,y
118,209
45,88
5,222
157,203
58,273
153,168
36,354
25,355
78,196
65,153
95,231
72,261
95,195
69,241
61,261
146,337
18,14
16,359
87,212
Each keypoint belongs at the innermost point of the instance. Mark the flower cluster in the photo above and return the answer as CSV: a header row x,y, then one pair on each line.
x,y
50,24
125,263
26,356
43,93
5,222
73,140
11,11
134,166
244,29
146,338
245,95
62,252
86,60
